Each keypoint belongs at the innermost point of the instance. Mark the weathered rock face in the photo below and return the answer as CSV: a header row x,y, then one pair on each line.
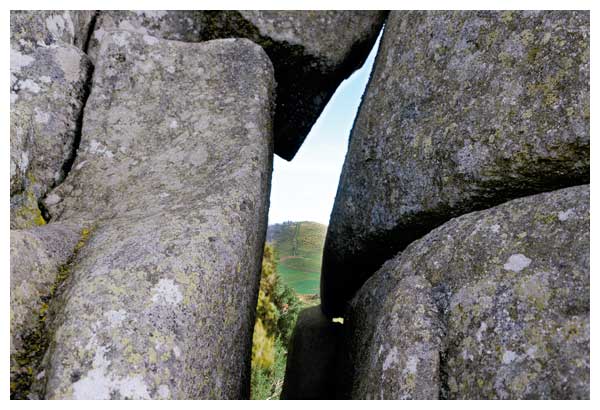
x,y
49,26
180,25
37,258
493,304
312,52
174,172
48,87
464,110
310,373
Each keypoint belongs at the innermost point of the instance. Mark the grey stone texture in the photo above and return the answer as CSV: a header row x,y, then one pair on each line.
x,y
494,304
144,284
173,172
312,52
180,25
48,86
38,256
311,368
464,110
49,26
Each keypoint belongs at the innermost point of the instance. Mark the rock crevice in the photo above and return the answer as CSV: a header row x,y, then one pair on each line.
x,y
41,259
49,82
458,247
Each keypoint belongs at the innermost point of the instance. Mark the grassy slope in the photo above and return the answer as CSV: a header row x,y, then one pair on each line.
x,y
298,251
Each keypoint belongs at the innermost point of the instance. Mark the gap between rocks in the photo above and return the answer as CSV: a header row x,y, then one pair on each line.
x,y
70,160
337,118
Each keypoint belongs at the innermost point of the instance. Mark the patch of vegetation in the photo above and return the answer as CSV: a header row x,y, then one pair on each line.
x,y
276,314
268,381
303,283
28,213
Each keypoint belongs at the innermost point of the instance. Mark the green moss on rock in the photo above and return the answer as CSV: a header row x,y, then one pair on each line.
x,y
36,341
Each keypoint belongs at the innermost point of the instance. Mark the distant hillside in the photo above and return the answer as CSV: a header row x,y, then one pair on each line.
x,y
298,251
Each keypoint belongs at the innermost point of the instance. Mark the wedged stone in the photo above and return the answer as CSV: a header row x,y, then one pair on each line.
x,y
180,25
49,26
174,170
464,110
37,258
492,304
311,372
312,52
48,87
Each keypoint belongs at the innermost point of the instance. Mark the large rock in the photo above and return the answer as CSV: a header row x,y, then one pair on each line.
x,y
38,260
311,373
174,173
48,86
312,52
493,304
464,110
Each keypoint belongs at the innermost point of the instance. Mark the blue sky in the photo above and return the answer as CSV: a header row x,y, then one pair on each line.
x,y
304,189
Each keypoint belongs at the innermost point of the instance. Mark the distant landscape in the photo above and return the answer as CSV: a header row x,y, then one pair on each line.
x,y
298,250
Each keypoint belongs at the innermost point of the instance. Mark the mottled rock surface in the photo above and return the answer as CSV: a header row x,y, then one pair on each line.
x,y
493,304
48,87
312,52
37,257
174,172
180,25
48,26
464,110
310,373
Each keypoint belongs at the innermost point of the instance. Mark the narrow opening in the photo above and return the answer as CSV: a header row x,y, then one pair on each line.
x,y
302,196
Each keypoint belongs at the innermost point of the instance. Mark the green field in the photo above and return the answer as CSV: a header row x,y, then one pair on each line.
x,y
298,252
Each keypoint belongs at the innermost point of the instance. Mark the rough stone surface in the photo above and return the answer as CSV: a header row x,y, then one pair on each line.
x,y
174,172
310,373
312,52
493,304
48,87
180,25
49,26
36,256
464,110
